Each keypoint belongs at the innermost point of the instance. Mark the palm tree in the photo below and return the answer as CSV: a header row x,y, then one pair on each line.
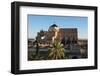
x,y
57,51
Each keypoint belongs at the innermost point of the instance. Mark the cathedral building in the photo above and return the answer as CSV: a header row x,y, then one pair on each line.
x,y
54,32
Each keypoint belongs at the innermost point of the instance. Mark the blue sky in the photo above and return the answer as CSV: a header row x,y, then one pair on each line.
x,y
42,22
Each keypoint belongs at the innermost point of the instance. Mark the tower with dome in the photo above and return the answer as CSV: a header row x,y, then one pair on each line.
x,y
56,33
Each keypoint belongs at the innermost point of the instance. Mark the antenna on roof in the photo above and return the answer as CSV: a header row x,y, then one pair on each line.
x,y
54,21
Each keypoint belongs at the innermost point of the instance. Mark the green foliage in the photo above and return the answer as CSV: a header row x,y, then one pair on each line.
x,y
57,51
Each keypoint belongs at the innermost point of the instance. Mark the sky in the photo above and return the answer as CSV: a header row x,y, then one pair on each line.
x,y
43,22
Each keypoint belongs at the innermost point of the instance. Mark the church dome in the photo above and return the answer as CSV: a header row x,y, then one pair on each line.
x,y
53,27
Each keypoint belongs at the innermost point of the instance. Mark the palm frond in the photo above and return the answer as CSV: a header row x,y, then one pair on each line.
x,y
57,51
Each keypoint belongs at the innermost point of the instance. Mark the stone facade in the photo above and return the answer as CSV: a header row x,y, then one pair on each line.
x,y
62,34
